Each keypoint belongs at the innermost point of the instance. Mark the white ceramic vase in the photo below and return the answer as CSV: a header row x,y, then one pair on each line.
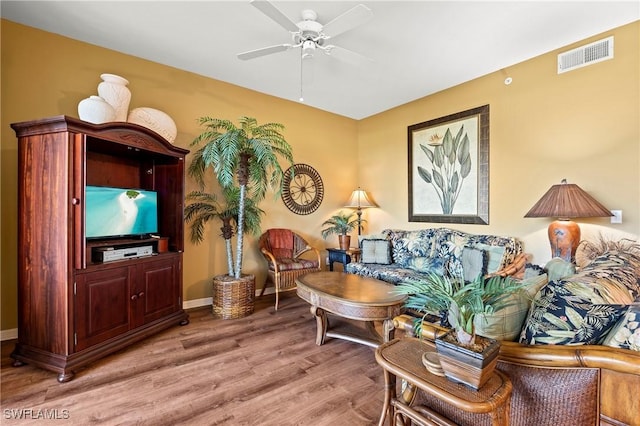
x,y
95,110
114,90
156,120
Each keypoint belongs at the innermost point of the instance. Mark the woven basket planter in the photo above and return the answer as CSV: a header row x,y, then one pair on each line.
x,y
233,298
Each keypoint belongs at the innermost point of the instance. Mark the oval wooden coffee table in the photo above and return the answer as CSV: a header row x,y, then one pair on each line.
x,y
353,297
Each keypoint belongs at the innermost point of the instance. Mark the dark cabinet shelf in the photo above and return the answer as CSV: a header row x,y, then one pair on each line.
x,y
73,310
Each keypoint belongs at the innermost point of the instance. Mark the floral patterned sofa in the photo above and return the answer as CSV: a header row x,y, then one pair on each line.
x,y
576,359
395,255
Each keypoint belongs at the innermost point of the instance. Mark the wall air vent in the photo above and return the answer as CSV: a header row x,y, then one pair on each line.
x,y
586,55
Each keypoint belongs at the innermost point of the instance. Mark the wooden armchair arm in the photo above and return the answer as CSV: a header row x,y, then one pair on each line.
x,y
309,248
430,331
515,269
270,258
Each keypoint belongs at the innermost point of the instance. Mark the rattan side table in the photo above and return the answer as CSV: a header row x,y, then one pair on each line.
x,y
402,358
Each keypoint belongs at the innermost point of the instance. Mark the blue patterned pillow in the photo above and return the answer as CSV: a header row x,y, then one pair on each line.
x,y
448,247
406,245
560,317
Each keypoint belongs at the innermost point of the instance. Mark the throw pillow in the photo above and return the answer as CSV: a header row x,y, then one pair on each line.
x,y
615,271
560,317
409,244
506,323
495,256
473,263
370,237
449,248
626,333
376,251
558,268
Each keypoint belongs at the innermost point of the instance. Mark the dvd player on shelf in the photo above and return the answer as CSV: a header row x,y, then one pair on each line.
x,y
109,254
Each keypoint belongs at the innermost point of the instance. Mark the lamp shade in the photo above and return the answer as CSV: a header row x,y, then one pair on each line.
x,y
565,201
360,200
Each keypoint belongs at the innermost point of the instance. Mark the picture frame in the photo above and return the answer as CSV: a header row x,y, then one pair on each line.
x,y
448,168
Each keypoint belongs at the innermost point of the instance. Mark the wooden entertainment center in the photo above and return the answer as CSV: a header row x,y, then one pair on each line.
x,y
73,309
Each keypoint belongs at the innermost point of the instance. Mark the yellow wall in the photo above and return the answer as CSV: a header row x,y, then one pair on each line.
x,y
583,125
45,75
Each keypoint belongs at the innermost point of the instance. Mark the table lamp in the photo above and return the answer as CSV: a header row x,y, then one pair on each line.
x,y
360,200
564,202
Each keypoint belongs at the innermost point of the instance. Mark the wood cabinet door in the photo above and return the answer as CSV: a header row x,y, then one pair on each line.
x,y
102,305
158,289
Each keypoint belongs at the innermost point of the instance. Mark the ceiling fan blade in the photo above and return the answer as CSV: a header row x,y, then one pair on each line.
x,y
274,13
346,55
352,18
306,70
264,51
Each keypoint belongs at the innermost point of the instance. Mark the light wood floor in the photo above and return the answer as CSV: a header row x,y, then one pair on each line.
x,y
264,369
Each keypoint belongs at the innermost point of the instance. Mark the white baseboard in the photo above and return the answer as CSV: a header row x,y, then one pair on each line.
x,y
8,334
197,303
188,304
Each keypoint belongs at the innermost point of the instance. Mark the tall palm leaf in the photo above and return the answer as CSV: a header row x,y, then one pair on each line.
x,y
206,207
246,157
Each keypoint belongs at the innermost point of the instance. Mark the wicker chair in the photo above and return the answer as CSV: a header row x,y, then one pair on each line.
x,y
282,249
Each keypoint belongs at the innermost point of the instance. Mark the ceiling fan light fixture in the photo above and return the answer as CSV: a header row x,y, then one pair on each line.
x,y
310,35
308,47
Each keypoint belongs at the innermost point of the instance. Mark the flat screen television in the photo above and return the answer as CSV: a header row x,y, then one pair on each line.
x,y
120,212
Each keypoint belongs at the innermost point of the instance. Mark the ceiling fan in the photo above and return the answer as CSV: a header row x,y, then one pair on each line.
x,y
311,36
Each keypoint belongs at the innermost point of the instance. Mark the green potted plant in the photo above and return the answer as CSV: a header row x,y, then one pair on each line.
x,y
340,224
464,357
244,162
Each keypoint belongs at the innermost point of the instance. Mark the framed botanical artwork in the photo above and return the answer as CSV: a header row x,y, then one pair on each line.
x,y
449,168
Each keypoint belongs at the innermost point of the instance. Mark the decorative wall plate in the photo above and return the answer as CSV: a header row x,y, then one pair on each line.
x,y
303,193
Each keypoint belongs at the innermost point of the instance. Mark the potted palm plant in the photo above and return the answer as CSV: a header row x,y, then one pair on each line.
x,y
340,224
464,357
206,207
244,161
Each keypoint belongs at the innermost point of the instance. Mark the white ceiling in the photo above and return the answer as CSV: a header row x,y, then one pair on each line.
x,y
418,47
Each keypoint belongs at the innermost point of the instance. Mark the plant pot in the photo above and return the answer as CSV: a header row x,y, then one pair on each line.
x,y
464,365
233,298
345,241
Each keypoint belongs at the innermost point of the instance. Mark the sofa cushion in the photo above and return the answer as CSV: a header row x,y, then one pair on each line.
x,y
506,323
393,273
427,264
559,316
474,263
626,333
288,264
376,251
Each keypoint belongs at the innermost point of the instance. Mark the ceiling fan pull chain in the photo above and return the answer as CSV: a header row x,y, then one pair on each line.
x,y
301,71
